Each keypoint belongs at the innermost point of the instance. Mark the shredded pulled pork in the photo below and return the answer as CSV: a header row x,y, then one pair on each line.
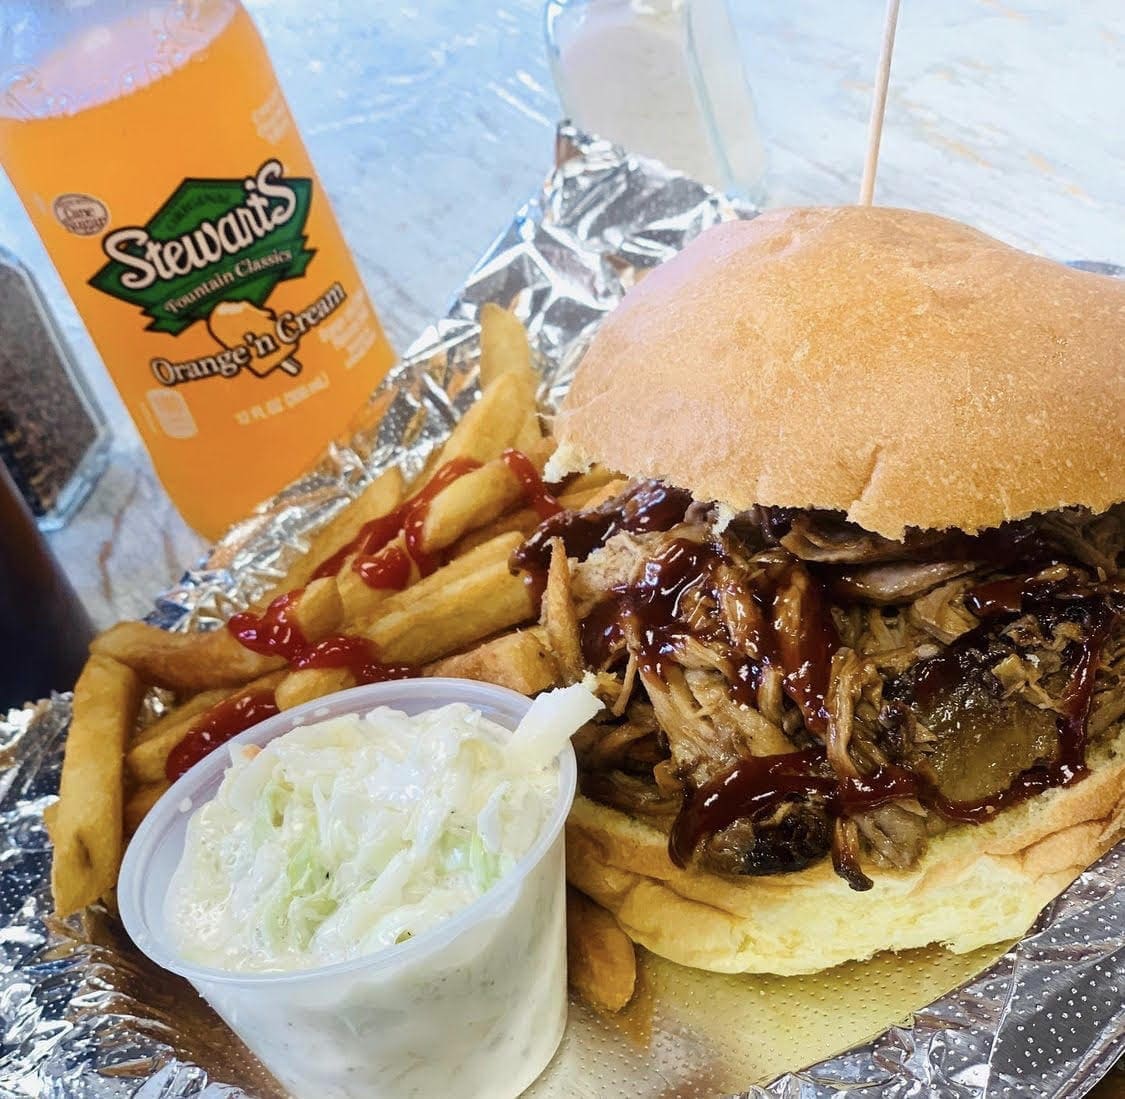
x,y
787,687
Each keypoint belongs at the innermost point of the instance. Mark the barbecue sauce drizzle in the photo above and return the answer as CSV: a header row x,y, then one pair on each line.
x,y
645,614
648,614
759,784
648,506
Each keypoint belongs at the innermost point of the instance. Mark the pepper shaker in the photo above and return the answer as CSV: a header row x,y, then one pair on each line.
x,y
54,438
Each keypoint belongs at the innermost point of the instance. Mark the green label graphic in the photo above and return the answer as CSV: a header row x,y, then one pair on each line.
x,y
213,240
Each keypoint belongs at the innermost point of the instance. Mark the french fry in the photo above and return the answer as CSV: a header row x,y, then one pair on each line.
x,y
142,799
470,501
429,468
359,601
492,424
319,611
595,477
526,520
86,824
475,608
504,350
188,710
498,550
530,437
305,684
475,500
601,960
444,613
538,450
147,759
523,522
559,617
379,498
519,661
190,662
426,606
594,497
186,662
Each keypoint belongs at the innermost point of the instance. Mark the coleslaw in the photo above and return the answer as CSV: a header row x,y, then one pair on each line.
x,y
351,835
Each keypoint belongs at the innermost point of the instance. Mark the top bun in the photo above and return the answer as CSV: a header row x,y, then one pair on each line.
x,y
893,365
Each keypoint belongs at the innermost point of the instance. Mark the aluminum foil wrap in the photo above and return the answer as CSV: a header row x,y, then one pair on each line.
x,y
84,1015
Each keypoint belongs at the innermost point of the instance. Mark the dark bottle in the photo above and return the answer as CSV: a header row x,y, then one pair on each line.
x,y
44,630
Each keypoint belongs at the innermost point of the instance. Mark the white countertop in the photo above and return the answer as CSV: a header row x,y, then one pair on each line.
x,y
431,124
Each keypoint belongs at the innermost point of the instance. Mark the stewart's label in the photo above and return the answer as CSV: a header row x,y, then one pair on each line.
x,y
196,241
213,240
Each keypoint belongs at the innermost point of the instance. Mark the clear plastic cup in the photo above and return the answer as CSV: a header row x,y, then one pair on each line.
x,y
472,1007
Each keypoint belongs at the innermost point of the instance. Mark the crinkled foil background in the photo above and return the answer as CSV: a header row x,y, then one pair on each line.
x,y
85,1016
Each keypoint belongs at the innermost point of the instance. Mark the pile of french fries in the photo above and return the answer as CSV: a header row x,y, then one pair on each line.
x,y
471,617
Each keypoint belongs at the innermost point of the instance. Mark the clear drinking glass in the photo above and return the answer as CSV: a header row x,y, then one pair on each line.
x,y
663,78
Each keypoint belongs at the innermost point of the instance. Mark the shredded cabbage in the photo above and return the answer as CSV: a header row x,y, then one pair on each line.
x,y
345,837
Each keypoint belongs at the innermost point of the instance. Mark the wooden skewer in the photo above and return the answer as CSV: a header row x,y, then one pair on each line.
x,y
878,104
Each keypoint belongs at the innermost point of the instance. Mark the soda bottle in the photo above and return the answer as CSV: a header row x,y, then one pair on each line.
x,y
44,630
156,155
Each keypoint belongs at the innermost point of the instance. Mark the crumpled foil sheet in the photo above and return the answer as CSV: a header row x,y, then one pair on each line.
x,y
85,1016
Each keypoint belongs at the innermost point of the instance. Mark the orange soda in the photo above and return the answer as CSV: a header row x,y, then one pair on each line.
x,y
157,157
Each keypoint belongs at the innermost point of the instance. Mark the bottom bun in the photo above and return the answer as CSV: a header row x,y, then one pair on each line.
x,y
975,885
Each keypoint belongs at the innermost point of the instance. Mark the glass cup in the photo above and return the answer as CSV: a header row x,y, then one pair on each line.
x,y
474,1006
663,78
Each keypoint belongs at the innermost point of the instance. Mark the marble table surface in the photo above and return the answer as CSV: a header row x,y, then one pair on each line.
x,y
431,122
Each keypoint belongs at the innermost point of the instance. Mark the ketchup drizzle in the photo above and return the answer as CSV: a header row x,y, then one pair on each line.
x,y
376,535
534,491
218,725
271,633
232,716
356,654
418,508
379,564
387,569
372,537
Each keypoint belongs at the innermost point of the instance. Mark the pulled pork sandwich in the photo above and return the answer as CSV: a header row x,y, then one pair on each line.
x,y
859,616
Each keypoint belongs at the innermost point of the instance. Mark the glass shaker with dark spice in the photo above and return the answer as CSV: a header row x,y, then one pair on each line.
x,y
53,436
